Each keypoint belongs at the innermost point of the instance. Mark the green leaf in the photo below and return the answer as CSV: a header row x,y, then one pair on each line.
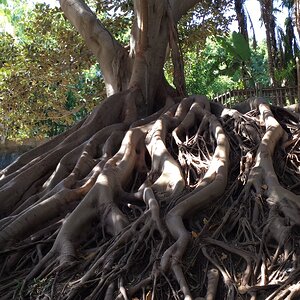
x,y
241,46
227,46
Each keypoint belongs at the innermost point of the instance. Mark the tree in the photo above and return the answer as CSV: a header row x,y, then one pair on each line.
x,y
241,17
288,47
43,65
42,45
242,22
269,22
239,57
204,71
152,193
297,16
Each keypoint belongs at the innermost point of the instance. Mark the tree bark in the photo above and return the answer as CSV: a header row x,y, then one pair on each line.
x,y
112,57
154,196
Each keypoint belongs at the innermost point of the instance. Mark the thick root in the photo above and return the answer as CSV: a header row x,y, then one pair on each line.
x,y
185,203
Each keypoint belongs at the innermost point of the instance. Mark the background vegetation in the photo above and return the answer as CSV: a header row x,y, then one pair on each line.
x,y
49,79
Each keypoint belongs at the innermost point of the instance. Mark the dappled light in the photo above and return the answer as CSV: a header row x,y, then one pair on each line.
x,y
153,194
203,198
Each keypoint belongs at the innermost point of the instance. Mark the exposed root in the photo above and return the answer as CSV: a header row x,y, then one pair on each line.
x,y
215,182
193,201
212,284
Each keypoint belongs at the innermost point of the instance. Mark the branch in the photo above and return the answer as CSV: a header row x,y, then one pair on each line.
x,y
180,7
111,56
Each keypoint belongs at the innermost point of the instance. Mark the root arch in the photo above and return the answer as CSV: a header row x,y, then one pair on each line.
x,y
168,206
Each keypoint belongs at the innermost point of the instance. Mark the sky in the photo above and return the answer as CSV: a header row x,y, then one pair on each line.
x,y
253,7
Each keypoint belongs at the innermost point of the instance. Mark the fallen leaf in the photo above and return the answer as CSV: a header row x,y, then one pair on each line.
x,y
195,234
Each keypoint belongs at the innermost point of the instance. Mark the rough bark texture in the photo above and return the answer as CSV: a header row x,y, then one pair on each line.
x,y
191,200
112,57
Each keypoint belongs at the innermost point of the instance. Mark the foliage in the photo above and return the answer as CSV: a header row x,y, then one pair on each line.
x,y
46,72
282,46
45,76
116,17
204,70
238,48
11,14
259,65
48,78
215,70
288,50
239,57
209,18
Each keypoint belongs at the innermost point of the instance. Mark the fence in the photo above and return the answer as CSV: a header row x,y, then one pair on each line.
x,y
281,96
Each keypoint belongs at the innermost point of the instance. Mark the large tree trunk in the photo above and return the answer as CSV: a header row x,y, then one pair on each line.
x,y
153,196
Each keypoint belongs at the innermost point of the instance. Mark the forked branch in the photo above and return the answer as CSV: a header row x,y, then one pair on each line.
x,y
112,57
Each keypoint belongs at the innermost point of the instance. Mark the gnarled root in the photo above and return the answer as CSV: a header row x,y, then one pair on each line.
x,y
208,190
146,208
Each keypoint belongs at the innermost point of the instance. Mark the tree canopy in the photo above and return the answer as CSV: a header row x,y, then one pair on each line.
x,y
42,44
49,80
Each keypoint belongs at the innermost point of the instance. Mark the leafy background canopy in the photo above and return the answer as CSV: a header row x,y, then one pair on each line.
x,y
49,79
